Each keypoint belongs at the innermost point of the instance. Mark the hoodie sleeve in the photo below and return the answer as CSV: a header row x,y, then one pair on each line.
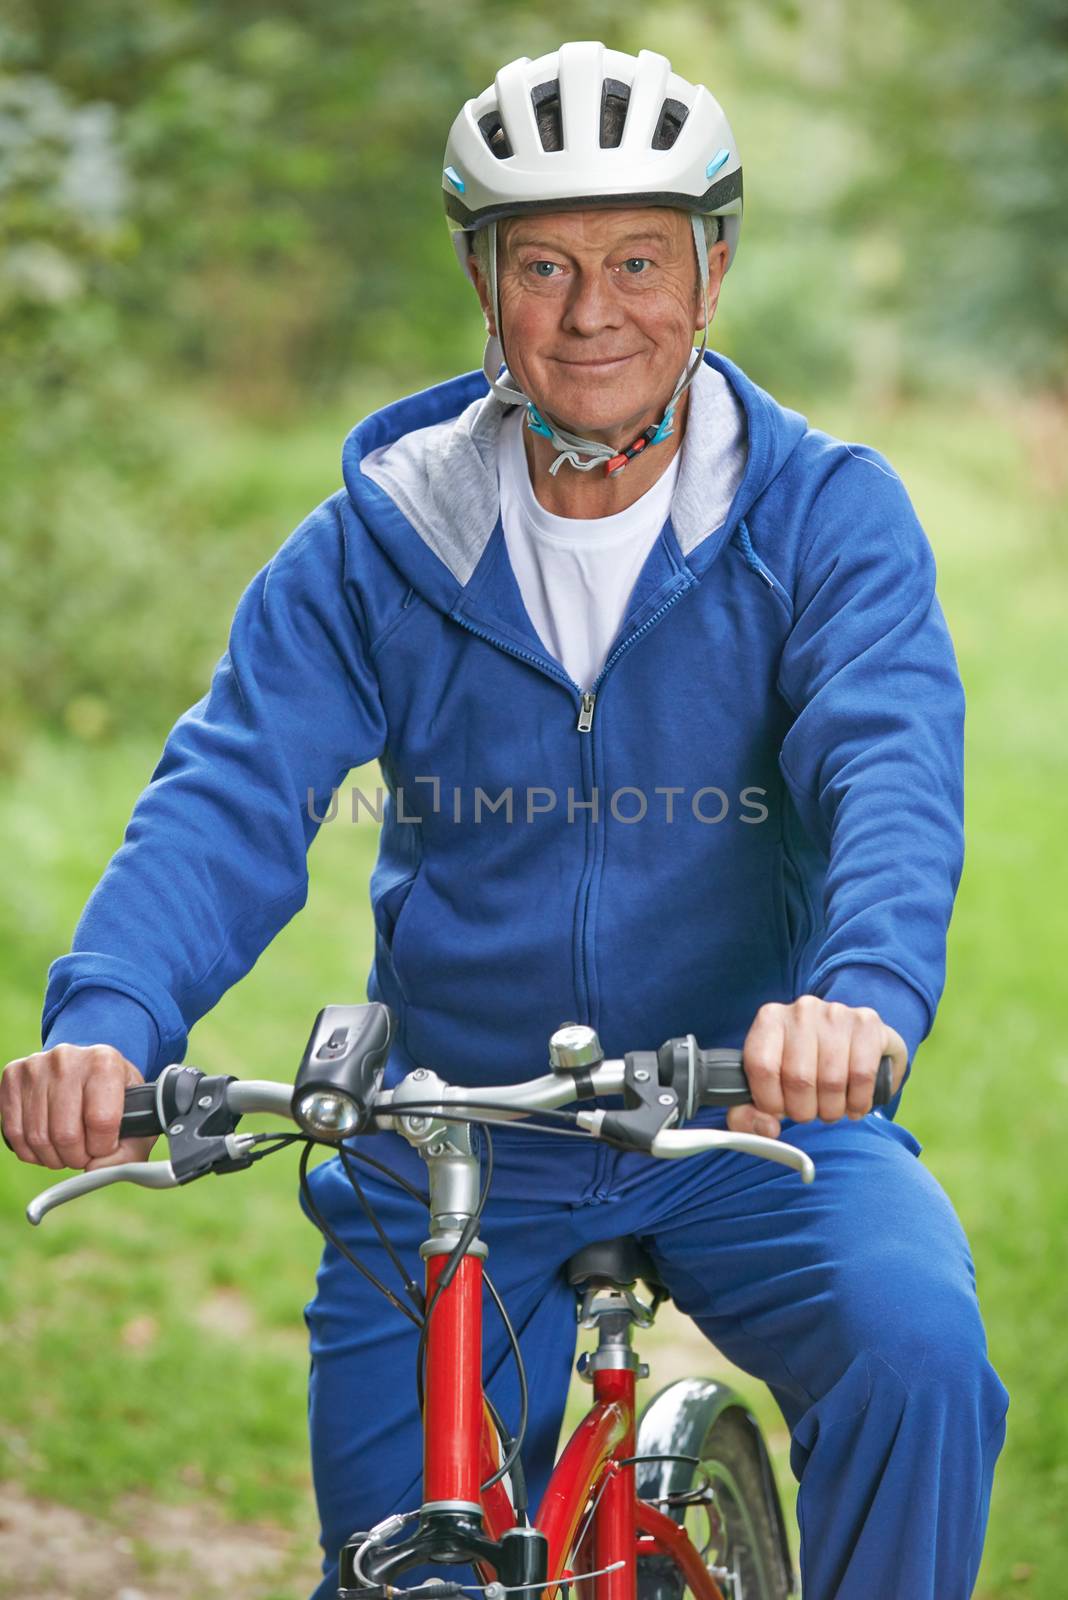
x,y
874,759
213,862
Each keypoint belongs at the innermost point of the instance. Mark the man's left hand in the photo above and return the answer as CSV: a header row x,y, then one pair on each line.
x,y
814,1058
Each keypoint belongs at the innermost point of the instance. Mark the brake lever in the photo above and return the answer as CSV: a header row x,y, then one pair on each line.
x,y
674,1143
147,1174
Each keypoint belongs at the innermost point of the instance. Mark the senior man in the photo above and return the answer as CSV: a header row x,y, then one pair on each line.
x,y
671,724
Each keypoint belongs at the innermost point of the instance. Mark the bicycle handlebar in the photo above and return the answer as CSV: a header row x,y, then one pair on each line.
x,y
714,1077
720,1081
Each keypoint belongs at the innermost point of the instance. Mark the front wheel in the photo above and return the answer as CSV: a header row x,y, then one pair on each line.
x,y
728,1504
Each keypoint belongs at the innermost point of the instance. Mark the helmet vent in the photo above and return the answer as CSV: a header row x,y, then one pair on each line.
x,y
492,130
672,116
615,98
546,101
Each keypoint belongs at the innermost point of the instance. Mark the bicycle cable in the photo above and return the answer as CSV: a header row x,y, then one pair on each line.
x,y
656,1455
328,1233
511,1444
595,1502
387,1172
281,1141
521,1121
490,1590
411,1288
513,1449
448,1589
511,1464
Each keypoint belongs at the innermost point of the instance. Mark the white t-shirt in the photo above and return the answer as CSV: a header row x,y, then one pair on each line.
x,y
575,574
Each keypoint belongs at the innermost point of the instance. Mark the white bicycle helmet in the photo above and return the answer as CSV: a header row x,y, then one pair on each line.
x,y
581,127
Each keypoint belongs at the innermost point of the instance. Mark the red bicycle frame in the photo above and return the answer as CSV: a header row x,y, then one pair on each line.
x,y
595,1468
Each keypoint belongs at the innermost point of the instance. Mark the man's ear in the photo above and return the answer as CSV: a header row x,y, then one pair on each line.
x,y
717,266
482,289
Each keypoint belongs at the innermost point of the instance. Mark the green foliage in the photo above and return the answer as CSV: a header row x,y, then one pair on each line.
x,y
132,528
256,194
966,111
233,209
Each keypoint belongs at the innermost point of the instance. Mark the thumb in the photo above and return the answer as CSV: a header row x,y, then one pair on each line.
x,y
895,1047
749,1119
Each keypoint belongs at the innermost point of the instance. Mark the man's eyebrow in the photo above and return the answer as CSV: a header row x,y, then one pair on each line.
x,y
653,234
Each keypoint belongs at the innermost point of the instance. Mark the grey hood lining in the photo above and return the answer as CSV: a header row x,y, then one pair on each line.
x,y
443,478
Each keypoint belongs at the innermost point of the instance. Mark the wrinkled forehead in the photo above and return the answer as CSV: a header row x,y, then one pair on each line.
x,y
597,228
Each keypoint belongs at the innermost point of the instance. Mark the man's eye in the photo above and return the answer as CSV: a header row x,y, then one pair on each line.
x,y
551,267
635,264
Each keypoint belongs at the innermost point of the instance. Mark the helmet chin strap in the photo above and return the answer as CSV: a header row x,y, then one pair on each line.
x,y
571,446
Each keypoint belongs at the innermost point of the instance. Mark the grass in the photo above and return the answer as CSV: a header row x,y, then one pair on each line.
x,y
154,1342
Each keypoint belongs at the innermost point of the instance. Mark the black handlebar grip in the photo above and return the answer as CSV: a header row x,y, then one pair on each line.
x,y
139,1117
722,1081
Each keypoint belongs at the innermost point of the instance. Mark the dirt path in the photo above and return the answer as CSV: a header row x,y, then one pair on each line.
x,y
147,1551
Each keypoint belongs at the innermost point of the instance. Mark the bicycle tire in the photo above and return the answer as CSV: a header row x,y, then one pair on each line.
x,y
736,1529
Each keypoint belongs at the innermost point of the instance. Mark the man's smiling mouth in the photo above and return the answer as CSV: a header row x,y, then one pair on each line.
x,y
606,361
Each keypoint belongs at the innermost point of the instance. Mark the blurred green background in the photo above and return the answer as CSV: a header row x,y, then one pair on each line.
x,y
221,244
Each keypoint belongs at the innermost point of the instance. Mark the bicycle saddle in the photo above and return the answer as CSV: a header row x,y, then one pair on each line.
x,y
617,1263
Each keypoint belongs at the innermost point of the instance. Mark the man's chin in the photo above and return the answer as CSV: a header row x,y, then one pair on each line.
x,y
594,420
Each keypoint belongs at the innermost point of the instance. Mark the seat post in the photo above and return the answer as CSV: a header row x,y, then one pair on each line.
x,y
604,1275
614,1312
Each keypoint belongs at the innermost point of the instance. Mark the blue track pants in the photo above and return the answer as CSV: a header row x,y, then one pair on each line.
x,y
853,1299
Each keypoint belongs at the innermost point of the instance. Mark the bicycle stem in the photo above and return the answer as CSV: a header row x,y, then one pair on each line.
x,y
453,1168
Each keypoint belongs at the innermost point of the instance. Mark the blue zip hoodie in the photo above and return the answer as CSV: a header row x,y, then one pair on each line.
x,y
762,796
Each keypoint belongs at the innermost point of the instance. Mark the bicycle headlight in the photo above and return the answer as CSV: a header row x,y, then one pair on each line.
x,y
342,1070
327,1115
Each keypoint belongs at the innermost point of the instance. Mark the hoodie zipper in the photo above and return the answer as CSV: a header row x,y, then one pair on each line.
x,y
589,696
560,677
588,1001
587,701
523,655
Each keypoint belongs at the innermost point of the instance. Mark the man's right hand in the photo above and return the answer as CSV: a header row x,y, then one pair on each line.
x,y
62,1107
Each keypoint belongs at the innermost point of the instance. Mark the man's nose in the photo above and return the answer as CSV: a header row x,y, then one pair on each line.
x,y
592,305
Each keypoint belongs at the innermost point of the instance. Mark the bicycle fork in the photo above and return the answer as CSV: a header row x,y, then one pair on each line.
x,y
453,1407
452,1521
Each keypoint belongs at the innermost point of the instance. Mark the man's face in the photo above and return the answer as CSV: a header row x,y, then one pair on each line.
x,y
599,309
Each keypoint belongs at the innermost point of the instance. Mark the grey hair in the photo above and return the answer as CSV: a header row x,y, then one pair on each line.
x,y
481,239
